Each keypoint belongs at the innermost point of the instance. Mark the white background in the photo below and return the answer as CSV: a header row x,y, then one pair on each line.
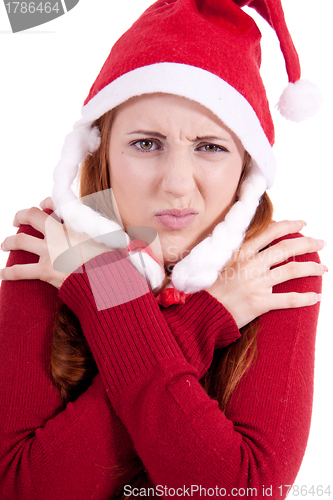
x,y
46,73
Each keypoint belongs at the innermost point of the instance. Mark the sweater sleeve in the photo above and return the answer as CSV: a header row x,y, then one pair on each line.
x,y
40,442
47,452
200,326
184,440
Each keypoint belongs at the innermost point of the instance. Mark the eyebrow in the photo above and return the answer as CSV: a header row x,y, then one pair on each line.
x,y
153,133
148,133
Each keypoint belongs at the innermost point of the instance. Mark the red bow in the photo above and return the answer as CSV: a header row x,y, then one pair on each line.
x,y
168,296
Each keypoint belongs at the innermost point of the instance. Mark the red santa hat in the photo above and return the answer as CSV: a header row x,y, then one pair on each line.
x,y
207,51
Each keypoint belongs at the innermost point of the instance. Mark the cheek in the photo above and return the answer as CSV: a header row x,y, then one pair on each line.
x,y
122,175
222,188
130,187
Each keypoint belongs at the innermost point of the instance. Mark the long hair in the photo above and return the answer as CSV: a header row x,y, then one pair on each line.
x,y
72,364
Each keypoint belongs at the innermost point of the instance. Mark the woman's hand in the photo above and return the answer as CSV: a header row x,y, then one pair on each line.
x,y
245,286
61,252
47,204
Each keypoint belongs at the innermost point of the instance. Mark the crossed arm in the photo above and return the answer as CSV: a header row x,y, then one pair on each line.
x,y
173,415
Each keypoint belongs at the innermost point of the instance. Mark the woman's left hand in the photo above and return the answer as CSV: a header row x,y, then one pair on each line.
x,y
58,241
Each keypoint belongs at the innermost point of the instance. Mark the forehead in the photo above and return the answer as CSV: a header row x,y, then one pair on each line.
x,y
169,112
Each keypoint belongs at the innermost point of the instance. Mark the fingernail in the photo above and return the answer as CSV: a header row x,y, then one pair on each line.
x,y
324,268
319,297
322,243
301,223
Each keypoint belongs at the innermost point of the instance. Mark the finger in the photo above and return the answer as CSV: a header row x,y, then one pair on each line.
x,y
292,300
21,272
47,204
25,242
274,231
33,217
290,248
294,270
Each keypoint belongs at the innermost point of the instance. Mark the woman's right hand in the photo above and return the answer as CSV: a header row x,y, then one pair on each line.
x,y
61,252
245,285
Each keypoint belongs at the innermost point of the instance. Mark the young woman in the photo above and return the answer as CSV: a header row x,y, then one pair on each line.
x,y
182,355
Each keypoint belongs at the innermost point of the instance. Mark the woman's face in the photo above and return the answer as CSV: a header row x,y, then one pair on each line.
x,y
174,167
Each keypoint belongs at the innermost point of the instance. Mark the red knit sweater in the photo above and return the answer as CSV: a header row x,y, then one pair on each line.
x,y
147,399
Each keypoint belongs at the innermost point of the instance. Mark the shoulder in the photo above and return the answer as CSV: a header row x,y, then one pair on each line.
x,y
308,283
313,256
22,256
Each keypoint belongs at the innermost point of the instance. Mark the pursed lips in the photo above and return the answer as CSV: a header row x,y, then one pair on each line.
x,y
176,218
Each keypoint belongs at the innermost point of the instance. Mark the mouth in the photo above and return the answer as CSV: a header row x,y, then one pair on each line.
x,y
176,219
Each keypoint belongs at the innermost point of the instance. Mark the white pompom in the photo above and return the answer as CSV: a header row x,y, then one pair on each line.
x,y
300,100
94,140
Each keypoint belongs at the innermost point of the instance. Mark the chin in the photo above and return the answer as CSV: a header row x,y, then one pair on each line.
x,y
173,255
177,247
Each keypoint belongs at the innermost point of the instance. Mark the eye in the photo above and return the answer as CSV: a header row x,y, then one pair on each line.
x,y
212,148
146,145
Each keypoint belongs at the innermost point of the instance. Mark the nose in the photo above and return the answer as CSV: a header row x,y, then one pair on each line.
x,y
178,174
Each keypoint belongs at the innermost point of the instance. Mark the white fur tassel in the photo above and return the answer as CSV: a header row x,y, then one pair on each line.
x,y
300,100
201,267
94,140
